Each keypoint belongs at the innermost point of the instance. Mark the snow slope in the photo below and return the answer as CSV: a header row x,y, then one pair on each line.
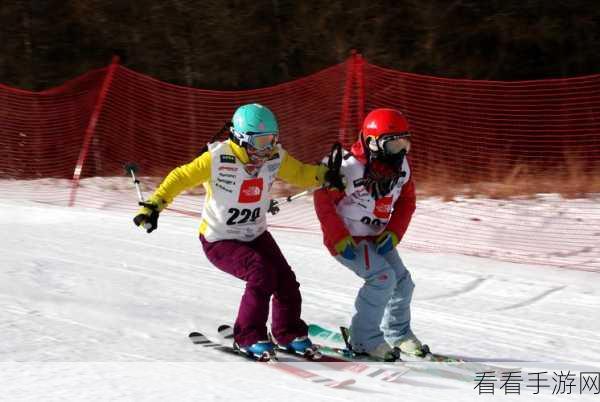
x,y
92,308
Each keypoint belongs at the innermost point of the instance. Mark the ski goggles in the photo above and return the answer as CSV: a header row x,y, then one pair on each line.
x,y
390,144
259,141
262,141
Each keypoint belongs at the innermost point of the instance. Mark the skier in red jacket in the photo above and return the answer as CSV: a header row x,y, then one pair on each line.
x,y
362,226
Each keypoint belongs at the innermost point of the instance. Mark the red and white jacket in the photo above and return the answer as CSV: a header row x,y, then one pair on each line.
x,y
355,212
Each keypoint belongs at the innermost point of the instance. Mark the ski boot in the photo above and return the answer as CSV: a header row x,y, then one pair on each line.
x,y
384,352
411,345
302,346
262,350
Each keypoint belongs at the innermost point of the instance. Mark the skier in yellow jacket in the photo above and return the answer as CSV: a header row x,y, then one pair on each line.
x,y
238,174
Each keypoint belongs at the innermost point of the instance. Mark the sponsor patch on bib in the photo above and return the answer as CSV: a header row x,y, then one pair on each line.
x,y
383,207
359,182
227,159
251,190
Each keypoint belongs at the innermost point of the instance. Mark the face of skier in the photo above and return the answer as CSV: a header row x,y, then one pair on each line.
x,y
389,145
263,142
259,149
386,157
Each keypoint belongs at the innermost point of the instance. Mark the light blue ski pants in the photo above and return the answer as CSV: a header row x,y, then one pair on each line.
x,y
382,306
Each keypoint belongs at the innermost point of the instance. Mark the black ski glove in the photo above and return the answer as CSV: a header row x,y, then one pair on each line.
x,y
333,176
273,207
147,216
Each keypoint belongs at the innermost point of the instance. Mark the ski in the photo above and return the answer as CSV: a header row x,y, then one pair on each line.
x,y
330,358
331,361
456,368
405,366
318,332
353,366
200,339
321,333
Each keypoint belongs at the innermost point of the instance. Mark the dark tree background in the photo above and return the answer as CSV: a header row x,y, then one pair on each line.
x,y
234,44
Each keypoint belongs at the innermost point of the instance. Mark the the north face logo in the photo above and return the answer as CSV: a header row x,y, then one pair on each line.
x,y
251,190
383,207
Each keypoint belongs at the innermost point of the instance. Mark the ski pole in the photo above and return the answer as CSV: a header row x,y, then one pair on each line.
x,y
334,163
274,205
291,198
131,169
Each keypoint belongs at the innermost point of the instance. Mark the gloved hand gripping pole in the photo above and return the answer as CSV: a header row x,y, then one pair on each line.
x,y
131,169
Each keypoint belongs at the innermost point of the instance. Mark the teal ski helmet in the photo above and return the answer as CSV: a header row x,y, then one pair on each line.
x,y
255,125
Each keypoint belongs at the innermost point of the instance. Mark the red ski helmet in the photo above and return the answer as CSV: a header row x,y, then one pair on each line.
x,y
386,131
384,121
385,138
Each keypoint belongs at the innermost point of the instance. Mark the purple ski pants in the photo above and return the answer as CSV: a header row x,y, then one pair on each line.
x,y
263,267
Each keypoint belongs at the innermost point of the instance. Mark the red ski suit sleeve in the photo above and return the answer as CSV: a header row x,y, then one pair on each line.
x,y
403,210
333,226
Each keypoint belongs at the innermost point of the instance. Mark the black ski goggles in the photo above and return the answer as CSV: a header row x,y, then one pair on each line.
x,y
390,144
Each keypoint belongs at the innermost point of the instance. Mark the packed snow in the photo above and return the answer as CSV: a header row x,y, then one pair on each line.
x,y
93,308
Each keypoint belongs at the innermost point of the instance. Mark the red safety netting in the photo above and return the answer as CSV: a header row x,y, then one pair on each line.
x,y
68,145
41,133
476,131
512,138
160,125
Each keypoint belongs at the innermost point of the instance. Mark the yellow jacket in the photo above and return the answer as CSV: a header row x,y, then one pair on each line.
x,y
199,172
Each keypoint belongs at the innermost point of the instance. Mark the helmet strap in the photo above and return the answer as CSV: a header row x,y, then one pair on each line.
x,y
235,138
